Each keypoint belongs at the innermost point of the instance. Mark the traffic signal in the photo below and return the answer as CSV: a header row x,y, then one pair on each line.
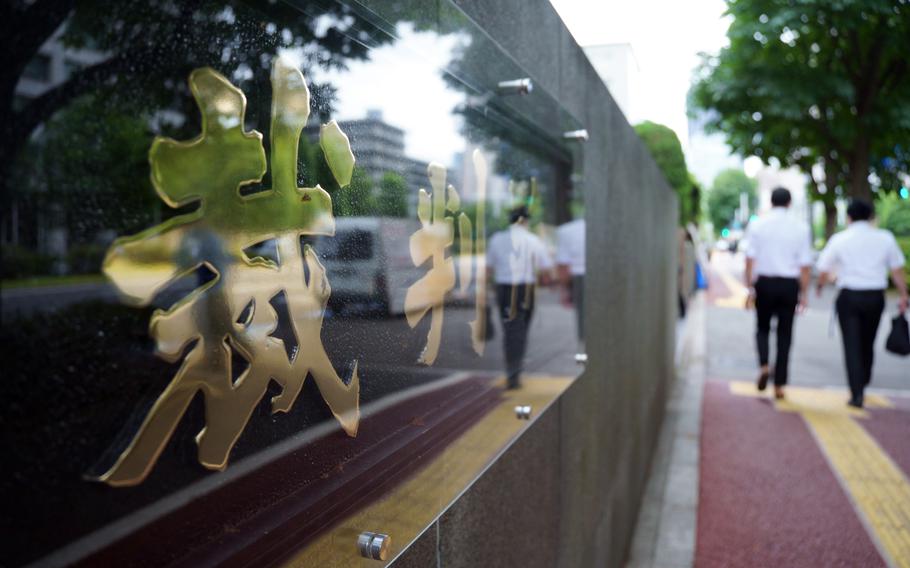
x,y
725,232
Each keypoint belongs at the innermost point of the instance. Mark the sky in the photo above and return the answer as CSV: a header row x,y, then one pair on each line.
x,y
416,98
666,37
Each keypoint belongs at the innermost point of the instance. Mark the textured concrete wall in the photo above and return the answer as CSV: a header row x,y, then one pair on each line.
x,y
568,492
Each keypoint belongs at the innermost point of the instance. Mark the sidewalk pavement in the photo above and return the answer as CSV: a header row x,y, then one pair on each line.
x,y
800,482
665,533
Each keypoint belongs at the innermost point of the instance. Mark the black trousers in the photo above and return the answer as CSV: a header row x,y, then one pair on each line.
x,y
516,306
776,298
859,313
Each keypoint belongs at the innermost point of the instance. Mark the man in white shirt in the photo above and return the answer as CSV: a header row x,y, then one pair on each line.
x,y
778,258
516,258
863,256
570,267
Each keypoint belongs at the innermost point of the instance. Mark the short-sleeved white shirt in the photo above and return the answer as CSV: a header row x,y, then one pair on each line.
x,y
862,256
779,244
516,255
570,246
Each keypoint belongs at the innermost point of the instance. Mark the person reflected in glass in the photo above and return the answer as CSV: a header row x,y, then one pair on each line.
x,y
570,268
517,259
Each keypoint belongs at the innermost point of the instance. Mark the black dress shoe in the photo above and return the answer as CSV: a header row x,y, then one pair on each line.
x,y
855,402
763,380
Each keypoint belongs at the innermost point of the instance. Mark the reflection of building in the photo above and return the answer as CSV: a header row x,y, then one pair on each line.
x,y
52,65
618,68
379,148
708,154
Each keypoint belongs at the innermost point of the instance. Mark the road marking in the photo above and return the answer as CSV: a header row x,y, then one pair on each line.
x,y
738,292
877,488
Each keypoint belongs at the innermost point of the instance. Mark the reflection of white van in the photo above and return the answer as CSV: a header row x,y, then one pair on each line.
x,y
368,262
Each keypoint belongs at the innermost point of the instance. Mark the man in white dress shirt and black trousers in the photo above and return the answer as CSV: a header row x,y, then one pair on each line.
x,y
570,268
863,256
517,259
778,261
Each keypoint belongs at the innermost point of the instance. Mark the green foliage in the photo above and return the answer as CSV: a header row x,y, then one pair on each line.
x,y
93,161
899,221
894,215
815,82
690,209
904,243
393,195
20,262
356,199
85,258
144,62
77,156
905,246
667,152
723,199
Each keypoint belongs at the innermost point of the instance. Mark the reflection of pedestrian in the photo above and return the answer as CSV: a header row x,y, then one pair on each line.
x,y
570,266
863,256
779,255
516,257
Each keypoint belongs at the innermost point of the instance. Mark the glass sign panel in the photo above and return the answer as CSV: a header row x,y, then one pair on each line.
x,y
265,262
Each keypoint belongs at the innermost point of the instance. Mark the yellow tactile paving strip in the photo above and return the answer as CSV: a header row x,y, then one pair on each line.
x,y
415,504
877,488
738,292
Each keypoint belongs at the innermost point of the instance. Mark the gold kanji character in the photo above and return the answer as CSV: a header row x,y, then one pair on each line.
x,y
431,242
233,312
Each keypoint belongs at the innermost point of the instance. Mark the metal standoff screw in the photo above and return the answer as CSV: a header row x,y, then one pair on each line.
x,y
374,546
577,135
523,412
581,358
515,87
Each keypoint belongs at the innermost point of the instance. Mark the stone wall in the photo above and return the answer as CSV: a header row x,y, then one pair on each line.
x,y
567,493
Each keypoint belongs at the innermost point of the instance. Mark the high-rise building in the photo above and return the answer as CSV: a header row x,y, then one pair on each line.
x,y
379,148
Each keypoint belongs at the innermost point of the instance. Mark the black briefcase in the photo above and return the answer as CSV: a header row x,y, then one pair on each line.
x,y
899,338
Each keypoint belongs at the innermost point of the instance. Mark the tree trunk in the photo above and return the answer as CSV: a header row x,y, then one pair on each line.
x,y
830,218
858,182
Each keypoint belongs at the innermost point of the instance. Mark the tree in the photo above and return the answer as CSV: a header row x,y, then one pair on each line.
x,y
86,164
149,48
816,82
724,197
393,195
667,152
356,199
894,215
693,213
